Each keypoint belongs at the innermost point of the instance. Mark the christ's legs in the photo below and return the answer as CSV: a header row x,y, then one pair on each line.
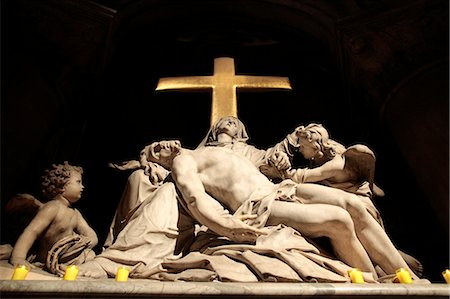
x,y
317,220
372,236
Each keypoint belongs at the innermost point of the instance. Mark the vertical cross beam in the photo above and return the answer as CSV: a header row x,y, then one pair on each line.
x,y
224,83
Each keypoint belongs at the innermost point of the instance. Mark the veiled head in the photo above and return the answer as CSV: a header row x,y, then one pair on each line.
x,y
229,125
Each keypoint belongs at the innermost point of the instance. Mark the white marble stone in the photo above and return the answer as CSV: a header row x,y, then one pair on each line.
x,y
148,288
42,284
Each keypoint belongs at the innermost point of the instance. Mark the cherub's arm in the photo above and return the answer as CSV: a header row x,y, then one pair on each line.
x,y
85,230
207,210
317,174
37,226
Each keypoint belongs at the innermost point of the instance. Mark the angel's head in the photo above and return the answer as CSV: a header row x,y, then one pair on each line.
x,y
63,179
315,142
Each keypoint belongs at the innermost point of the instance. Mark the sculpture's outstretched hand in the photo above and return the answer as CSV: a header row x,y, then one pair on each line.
x,y
280,160
241,232
21,262
278,164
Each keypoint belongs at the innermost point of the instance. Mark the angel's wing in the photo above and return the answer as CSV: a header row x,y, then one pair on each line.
x,y
360,160
19,211
23,204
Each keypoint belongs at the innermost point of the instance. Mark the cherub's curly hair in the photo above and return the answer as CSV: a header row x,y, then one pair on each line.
x,y
56,178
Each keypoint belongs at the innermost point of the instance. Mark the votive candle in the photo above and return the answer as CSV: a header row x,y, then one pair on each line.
x,y
20,273
122,274
403,276
356,276
71,273
446,275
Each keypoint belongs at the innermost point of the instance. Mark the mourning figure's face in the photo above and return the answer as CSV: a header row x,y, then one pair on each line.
x,y
229,126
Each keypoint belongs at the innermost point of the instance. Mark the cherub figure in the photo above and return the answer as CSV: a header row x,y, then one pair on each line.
x,y
60,232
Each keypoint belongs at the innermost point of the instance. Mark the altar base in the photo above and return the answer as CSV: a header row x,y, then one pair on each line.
x,y
137,288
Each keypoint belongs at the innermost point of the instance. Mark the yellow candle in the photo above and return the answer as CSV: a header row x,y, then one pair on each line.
x,y
403,276
356,275
20,272
122,274
446,275
71,273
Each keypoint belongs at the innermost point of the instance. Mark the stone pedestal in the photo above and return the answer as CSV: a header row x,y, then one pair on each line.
x,y
40,284
109,288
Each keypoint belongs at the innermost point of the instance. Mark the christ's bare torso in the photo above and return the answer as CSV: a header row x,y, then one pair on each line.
x,y
228,177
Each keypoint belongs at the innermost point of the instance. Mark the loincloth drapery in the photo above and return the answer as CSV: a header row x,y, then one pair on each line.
x,y
70,250
261,200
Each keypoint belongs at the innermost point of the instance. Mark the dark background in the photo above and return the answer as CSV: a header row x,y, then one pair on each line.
x,y
78,80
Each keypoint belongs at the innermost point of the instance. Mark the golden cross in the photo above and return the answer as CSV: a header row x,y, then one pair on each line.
x,y
224,83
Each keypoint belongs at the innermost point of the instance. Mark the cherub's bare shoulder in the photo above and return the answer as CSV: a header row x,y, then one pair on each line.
x,y
50,207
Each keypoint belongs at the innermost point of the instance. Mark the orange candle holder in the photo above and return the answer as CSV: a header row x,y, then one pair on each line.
x,y
403,276
122,274
20,273
356,275
71,273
